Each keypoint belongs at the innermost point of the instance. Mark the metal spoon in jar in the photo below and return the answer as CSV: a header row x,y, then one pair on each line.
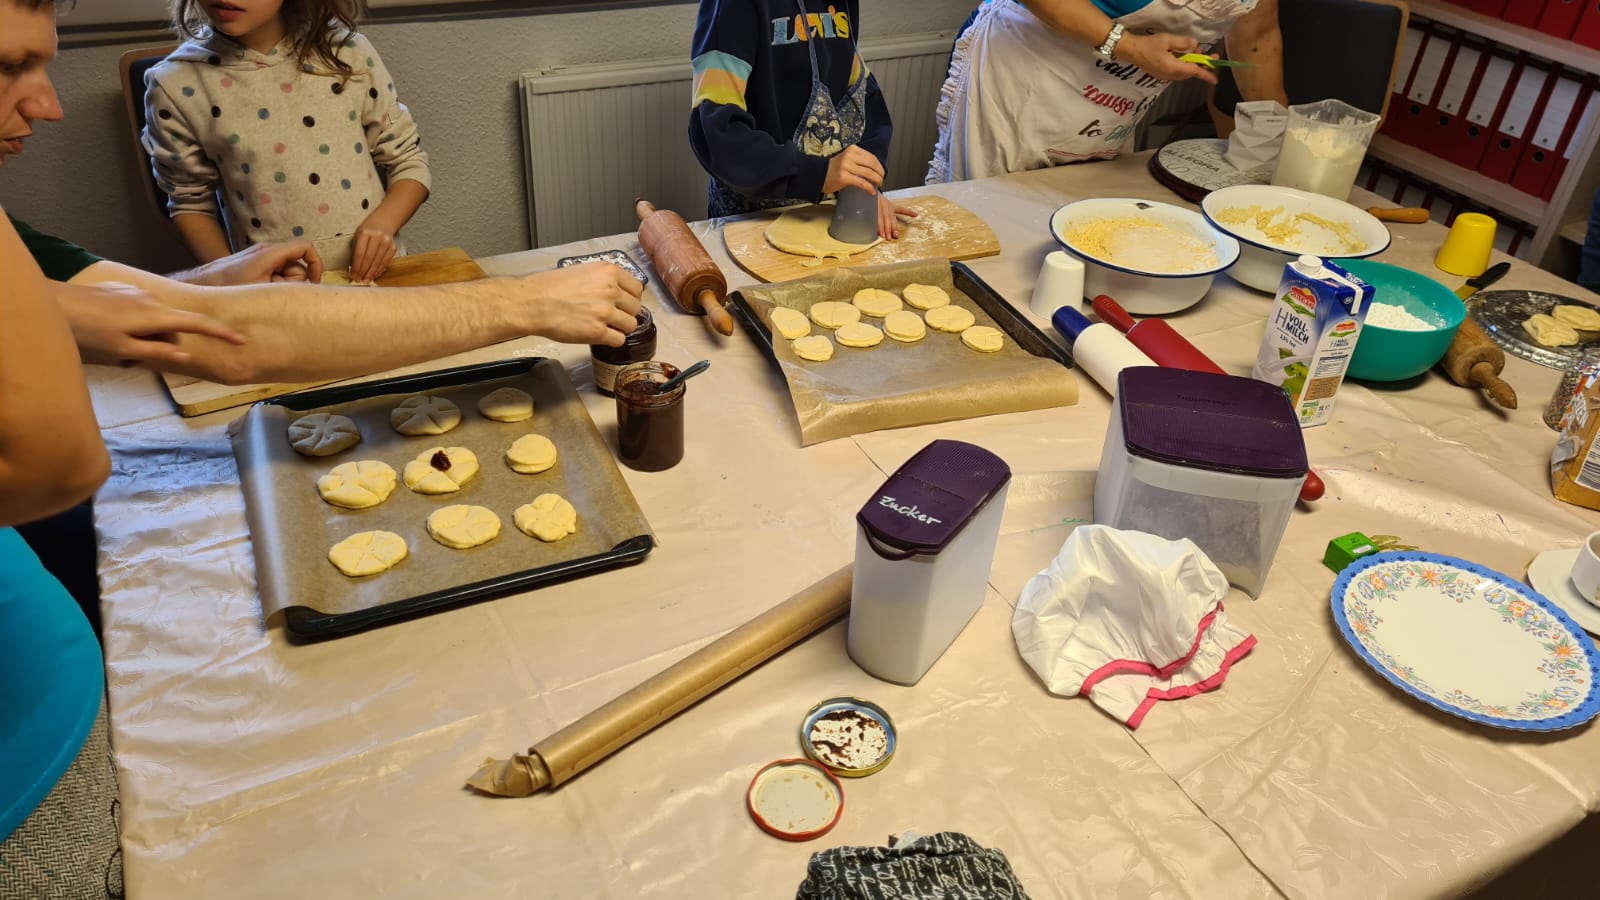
x,y
683,376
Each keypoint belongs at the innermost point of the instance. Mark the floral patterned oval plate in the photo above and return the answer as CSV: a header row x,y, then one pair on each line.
x,y
1469,641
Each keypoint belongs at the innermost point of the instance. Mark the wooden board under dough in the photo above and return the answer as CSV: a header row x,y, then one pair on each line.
x,y
195,397
941,230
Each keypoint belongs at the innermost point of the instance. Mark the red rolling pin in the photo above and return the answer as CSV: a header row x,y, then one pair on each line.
x,y
692,277
1169,349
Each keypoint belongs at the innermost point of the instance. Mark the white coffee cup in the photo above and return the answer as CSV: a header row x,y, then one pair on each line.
x,y
1060,284
1586,569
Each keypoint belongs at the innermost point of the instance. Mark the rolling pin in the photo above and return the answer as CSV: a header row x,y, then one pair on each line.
x,y
692,277
1411,215
1475,361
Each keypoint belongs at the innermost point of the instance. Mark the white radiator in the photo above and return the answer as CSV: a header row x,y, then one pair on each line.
x,y
596,137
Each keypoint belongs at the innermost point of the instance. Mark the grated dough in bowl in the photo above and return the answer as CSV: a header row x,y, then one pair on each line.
x,y
1142,244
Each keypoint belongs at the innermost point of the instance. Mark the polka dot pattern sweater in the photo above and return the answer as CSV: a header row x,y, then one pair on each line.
x,y
292,151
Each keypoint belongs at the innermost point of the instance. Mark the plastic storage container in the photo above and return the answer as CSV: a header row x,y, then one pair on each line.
x,y
924,546
1214,458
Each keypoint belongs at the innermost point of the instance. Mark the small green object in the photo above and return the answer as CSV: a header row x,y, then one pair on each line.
x,y
1346,549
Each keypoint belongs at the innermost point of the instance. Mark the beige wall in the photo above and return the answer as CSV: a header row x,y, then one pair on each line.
x,y
78,178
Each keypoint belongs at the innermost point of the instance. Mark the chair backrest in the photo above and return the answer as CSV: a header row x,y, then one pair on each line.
x,y
1334,49
133,65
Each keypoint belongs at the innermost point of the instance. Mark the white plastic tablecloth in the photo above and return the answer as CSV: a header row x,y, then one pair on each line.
x,y
251,767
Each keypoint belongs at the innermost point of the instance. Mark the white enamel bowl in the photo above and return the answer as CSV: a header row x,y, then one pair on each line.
x,y
1141,291
1261,260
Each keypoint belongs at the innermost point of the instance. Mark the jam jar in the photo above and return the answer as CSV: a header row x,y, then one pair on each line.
x,y
639,347
649,422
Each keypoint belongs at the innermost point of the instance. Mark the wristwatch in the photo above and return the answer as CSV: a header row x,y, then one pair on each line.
x,y
1110,46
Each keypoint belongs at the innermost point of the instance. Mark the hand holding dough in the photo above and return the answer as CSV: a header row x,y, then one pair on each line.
x,y
791,323
925,296
876,303
368,553
833,313
425,415
904,326
357,485
1549,331
950,318
460,527
816,348
506,404
440,470
531,454
549,518
323,434
858,334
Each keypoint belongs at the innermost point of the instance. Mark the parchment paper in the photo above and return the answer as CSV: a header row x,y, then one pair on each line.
x,y
892,385
292,529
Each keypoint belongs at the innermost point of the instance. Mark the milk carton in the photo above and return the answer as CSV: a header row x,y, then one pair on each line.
x,y
1311,335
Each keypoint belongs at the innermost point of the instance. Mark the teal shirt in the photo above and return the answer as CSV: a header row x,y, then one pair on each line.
x,y
51,681
1116,9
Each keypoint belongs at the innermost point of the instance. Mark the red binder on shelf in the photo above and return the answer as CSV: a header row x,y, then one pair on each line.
x,y
1489,7
1417,113
1432,135
1525,13
1469,139
1560,17
1523,103
1588,31
1587,109
1551,133
1397,121
1461,75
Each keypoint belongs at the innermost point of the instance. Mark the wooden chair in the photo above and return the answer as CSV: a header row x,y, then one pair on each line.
x,y
133,66
1332,49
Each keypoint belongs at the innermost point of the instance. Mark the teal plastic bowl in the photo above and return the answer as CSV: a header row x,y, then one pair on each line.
x,y
1385,354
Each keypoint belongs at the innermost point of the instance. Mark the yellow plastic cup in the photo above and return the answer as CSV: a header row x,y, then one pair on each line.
x,y
1466,248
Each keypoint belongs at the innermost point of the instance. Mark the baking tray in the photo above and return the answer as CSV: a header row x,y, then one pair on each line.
x,y
292,528
1006,318
1501,313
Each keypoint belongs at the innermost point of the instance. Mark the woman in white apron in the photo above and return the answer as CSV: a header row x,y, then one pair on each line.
x,y
1035,83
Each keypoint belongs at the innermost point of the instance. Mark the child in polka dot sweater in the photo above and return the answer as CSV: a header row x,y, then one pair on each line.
x,y
283,112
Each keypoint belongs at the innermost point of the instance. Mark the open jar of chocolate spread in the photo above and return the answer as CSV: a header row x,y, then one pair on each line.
x,y
649,423
639,346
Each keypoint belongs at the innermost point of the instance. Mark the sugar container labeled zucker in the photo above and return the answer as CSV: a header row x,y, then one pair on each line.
x,y
1216,459
924,546
1311,335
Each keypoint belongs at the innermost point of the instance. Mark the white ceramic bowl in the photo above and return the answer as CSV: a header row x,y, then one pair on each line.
x,y
1261,260
1141,291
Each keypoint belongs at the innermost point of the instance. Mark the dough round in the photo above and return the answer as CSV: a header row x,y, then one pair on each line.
x,y
791,323
950,318
876,303
833,313
368,553
531,454
905,326
440,470
1579,318
506,404
424,415
357,485
816,348
323,434
925,296
1550,331
983,339
459,527
858,334
804,232
549,518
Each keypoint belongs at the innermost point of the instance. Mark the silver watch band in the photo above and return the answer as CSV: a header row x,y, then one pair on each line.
x,y
1110,46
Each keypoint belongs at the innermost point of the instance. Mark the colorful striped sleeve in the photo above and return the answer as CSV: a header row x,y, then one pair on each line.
x,y
719,78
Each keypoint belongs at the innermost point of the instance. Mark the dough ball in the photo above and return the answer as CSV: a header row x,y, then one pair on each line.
x,y
816,348
440,470
858,334
531,454
925,296
368,553
983,339
323,434
357,485
950,318
832,313
876,303
1550,331
791,323
549,518
904,326
506,404
1579,318
425,415
459,527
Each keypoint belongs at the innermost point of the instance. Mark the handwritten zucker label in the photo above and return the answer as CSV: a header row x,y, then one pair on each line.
x,y
910,511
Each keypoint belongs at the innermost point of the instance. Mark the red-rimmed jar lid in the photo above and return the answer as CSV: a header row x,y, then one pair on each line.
x,y
795,799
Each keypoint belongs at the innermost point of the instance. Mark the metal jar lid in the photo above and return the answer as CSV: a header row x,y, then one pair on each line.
x,y
850,736
795,799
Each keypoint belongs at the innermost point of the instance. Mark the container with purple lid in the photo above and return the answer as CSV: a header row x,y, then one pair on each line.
x,y
1213,458
924,545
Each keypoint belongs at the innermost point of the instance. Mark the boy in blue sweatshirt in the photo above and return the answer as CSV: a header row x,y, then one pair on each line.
x,y
784,109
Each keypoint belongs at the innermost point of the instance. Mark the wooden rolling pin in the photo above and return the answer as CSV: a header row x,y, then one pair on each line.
x,y
692,277
1474,361
1410,215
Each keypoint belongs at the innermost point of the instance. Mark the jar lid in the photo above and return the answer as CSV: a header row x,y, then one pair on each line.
x,y
929,499
1201,420
795,799
852,737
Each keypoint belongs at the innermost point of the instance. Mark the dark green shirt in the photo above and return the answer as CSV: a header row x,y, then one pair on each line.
x,y
58,259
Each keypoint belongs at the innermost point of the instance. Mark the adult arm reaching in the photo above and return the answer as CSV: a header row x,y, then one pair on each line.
x,y
1255,39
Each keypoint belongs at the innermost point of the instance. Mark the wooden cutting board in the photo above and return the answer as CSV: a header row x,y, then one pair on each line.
x,y
941,230
195,397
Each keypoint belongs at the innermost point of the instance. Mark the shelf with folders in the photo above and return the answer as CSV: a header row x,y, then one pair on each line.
x,y
1399,183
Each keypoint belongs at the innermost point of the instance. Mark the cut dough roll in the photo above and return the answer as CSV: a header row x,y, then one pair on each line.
x,y
876,303
791,323
507,404
549,518
833,313
858,334
904,326
925,296
950,318
425,415
531,454
357,485
461,526
323,434
440,470
368,553
816,348
983,339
